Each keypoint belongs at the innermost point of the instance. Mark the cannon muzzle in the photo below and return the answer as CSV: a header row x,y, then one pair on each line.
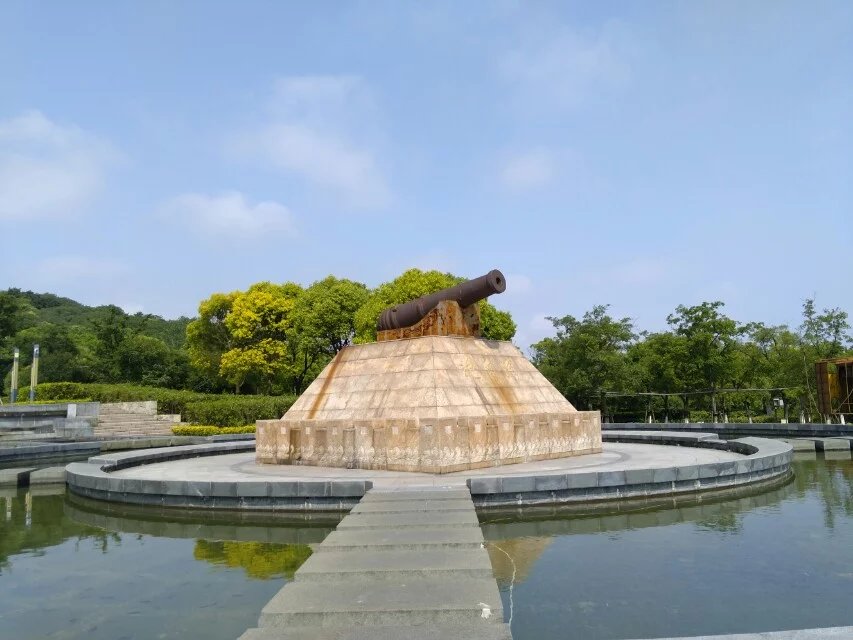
x,y
465,294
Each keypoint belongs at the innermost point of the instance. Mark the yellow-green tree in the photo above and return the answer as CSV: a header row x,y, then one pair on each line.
x,y
272,337
260,325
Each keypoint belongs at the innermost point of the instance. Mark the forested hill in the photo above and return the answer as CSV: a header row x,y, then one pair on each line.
x,y
53,309
80,343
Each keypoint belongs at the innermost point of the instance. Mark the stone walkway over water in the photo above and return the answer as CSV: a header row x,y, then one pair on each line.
x,y
407,563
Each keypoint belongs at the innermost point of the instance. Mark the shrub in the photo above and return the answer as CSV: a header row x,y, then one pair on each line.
x,y
210,430
233,411
64,401
200,408
50,391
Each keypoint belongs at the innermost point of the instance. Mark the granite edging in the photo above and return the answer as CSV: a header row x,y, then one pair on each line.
x,y
92,479
764,459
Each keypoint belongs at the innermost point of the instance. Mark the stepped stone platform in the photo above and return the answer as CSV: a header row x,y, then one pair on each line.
x,y
632,465
435,404
133,419
394,569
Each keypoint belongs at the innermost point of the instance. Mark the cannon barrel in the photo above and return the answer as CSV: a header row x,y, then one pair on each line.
x,y
465,294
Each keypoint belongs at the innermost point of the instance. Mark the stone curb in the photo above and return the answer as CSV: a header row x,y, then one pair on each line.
x,y
764,459
27,453
92,479
764,430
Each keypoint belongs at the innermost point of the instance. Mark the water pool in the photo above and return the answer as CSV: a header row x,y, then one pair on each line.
x,y
777,559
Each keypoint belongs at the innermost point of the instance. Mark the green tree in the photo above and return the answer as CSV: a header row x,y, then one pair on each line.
x,y
414,283
324,315
826,333
588,356
12,312
59,356
110,332
711,339
149,360
324,323
208,336
659,363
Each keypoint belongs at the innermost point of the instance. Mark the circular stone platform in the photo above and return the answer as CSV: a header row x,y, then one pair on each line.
x,y
632,464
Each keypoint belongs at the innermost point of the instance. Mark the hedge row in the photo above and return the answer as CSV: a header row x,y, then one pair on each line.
x,y
201,408
235,411
735,416
210,430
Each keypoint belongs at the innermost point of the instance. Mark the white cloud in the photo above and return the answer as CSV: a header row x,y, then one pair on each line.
x,y
565,68
528,170
229,214
48,170
319,130
73,268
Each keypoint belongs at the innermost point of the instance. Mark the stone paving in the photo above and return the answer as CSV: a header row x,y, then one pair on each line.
x,y
837,633
242,466
402,564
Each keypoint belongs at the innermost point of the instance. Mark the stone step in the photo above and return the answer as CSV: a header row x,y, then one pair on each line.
x,y
408,495
133,425
375,539
447,564
800,444
15,477
400,506
832,444
415,632
130,420
48,475
444,600
419,519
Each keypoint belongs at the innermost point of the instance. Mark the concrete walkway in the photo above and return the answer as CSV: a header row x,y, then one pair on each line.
x,y
837,633
243,467
404,564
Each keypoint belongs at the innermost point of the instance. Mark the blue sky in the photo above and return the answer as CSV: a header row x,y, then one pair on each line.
x,y
638,154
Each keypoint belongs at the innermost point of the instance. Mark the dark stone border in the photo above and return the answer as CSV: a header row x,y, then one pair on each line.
x,y
740,429
92,480
764,460
35,451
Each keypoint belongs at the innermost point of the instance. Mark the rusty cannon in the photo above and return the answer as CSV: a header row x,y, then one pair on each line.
x,y
464,294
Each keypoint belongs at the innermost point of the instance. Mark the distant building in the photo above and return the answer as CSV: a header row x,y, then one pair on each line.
x,y
835,386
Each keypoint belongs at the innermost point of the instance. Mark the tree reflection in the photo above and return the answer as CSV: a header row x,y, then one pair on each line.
x,y
516,537
262,560
834,481
32,524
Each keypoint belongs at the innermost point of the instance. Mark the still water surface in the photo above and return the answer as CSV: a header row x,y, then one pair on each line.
x,y
780,559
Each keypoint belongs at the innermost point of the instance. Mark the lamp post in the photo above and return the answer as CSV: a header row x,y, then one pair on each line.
x,y
13,394
34,373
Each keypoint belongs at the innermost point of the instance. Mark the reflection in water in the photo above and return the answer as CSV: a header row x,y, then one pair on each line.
x,y
32,521
262,560
744,561
777,559
73,569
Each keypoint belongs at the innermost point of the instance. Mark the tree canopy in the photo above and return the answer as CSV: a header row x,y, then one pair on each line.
x,y
414,283
601,362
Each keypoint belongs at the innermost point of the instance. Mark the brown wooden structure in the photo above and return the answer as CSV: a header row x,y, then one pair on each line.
x,y
835,386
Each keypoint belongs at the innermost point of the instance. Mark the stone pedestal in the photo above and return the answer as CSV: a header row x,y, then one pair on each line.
x,y
435,404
